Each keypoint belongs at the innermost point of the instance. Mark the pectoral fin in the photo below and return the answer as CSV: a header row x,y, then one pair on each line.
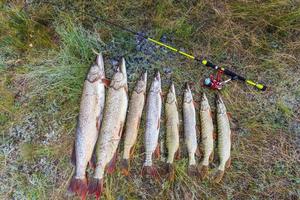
x,y
211,157
98,123
177,154
198,153
157,152
121,129
112,164
228,163
106,82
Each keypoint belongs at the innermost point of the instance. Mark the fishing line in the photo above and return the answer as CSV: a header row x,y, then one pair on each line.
x,y
201,60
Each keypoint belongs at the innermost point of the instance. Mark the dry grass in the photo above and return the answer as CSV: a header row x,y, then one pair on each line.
x,y
40,87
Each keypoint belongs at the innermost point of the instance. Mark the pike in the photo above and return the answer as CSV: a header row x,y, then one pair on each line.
x,y
88,125
189,122
207,140
153,114
172,126
136,105
111,129
224,139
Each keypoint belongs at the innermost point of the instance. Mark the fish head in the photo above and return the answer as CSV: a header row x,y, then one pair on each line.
x,y
221,109
171,97
156,83
142,83
204,103
96,71
187,96
119,79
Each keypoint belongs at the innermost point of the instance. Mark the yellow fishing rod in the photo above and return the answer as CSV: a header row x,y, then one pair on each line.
x,y
207,63
231,74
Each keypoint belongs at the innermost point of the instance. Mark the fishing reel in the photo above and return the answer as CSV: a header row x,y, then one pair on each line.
x,y
215,82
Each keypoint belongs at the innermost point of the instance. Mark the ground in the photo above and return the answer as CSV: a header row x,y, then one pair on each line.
x,y
46,51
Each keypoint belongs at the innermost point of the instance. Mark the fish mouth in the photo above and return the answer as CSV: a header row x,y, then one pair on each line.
x,y
121,66
187,87
99,61
157,76
144,76
204,98
219,99
172,88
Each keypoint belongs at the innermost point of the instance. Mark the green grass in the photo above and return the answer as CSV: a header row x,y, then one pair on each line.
x,y
45,55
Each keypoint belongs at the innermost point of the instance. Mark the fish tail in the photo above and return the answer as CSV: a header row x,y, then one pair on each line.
x,y
203,171
218,176
96,187
79,186
150,170
125,167
171,171
192,170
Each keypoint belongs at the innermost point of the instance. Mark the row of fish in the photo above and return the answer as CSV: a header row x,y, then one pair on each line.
x,y
102,118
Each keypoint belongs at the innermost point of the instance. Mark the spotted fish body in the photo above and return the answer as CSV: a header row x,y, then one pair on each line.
x,y
172,127
136,105
153,114
224,138
172,124
111,128
89,120
189,122
206,135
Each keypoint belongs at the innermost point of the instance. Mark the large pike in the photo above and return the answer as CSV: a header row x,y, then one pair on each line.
x,y
88,125
224,139
189,122
207,140
136,105
111,129
153,114
172,126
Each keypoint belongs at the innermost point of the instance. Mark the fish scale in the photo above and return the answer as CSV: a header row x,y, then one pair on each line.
x,y
111,128
136,106
153,114
89,119
206,135
224,139
172,124
189,121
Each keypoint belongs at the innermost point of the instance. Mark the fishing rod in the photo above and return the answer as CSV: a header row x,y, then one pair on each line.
x,y
203,61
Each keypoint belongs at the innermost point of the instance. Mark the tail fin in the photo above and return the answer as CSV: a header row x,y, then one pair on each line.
x,y
78,186
125,167
218,176
203,171
96,187
192,170
171,171
150,170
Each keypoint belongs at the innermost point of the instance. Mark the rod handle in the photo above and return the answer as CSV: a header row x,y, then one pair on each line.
x,y
257,85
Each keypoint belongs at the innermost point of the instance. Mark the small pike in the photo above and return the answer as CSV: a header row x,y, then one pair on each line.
x,y
206,136
153,114
89,120
172,126
224,139
189,122
136,105
111,129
